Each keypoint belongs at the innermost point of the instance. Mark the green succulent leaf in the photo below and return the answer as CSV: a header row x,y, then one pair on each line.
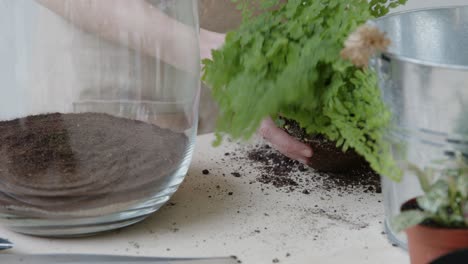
x,y
408,219
462,185
436,198
424,177
465,212
445,200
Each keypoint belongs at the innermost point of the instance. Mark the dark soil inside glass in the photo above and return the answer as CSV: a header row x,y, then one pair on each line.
x,y
74,162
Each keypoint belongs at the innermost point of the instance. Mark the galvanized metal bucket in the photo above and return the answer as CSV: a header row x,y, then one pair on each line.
x,y
424,81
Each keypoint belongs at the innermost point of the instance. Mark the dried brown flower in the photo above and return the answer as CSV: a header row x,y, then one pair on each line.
x,y
364,42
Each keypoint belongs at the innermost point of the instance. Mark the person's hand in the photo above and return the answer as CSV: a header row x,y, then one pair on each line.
x,y
284,143
209,41
280,140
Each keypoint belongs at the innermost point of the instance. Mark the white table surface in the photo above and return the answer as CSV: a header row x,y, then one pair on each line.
x,y
256,226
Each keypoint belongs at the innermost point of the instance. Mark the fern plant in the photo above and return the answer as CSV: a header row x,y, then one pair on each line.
x,y
287,60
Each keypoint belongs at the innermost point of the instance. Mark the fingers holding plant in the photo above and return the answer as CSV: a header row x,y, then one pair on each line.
x,y
284,143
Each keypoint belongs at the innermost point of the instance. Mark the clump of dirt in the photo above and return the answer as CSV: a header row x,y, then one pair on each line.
x,y
274,162
236,174
327,156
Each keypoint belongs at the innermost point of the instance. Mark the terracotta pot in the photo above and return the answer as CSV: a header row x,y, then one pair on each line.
x,y
426,243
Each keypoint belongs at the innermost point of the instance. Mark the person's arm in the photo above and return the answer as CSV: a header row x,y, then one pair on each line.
x,y
139,25
151,31
209,41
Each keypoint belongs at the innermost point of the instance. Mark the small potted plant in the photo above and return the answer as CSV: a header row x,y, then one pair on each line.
x,y
436,223
286,63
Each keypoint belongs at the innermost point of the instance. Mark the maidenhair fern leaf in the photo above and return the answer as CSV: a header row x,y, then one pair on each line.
x,y
287,60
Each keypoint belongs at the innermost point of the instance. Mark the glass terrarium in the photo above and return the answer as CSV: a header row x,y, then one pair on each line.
x,y
98,111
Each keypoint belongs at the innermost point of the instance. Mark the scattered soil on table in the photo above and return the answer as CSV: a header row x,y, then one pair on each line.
x,y
73,162
282,173
323,204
